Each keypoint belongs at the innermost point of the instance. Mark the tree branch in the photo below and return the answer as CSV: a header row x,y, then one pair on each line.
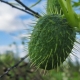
x,y
14,66
27,10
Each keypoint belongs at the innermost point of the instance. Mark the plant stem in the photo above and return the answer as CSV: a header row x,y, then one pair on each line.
x,y
71,16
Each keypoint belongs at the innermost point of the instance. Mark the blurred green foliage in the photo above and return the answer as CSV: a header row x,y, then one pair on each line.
x,y
23,71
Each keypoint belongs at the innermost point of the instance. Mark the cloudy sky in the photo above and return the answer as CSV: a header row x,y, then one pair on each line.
x,y
14,24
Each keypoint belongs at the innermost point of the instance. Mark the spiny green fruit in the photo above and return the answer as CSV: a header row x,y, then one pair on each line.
x,y
51,42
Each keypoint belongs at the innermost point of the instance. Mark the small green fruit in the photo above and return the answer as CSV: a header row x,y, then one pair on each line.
x,y
51,42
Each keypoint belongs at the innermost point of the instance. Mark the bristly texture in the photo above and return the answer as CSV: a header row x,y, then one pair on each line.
x,y
51,42
53,7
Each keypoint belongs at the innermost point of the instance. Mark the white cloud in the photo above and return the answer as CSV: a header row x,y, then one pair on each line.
x,y
21,51
4,48
8,18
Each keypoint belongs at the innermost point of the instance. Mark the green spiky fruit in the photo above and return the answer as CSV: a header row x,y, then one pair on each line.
x,y
51,42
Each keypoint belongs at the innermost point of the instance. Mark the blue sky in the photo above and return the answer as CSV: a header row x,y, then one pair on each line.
x,y
5,37
13,24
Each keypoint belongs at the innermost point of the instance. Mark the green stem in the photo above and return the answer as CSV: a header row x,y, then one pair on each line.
x,y
63,6
71,16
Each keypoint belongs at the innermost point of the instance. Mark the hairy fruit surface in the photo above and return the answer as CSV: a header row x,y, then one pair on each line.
x,y
51,42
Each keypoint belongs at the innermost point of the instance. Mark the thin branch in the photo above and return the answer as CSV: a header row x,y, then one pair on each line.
x,y
14,66
35,3
26,11
27,8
